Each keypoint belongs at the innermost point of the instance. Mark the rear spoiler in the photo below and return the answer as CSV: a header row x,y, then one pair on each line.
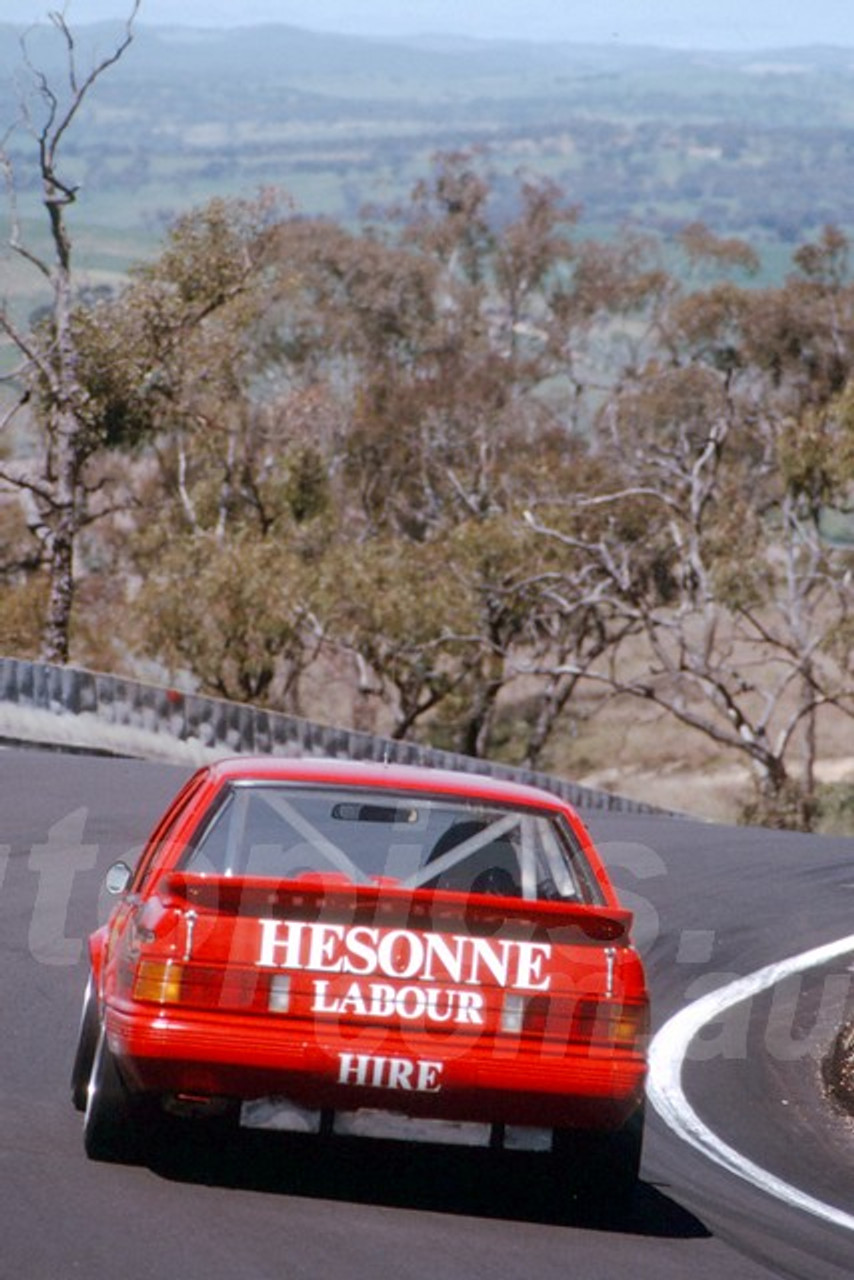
x,y
334,897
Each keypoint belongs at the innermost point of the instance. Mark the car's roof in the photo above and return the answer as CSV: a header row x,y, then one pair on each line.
x,y
397,777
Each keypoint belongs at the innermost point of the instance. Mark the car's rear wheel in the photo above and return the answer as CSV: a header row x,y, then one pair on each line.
x,y
600,1169
111,1124
87,1043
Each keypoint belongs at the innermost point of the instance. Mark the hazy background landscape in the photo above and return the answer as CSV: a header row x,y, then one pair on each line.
x,y
754,140
693,24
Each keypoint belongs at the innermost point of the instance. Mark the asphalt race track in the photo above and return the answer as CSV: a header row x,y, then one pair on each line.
x,y
712,904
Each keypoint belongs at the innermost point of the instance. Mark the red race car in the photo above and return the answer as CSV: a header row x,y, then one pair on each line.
x,y
349,948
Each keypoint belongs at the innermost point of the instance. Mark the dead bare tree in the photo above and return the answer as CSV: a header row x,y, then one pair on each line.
x,y
59,485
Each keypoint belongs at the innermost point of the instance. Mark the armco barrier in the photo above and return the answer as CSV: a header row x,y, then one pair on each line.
x,y
74,709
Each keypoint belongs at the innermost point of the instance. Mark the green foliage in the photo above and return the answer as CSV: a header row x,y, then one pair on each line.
x,y
393,603
115,370
239,630
788,808
307,486
22,610
210,252
835,809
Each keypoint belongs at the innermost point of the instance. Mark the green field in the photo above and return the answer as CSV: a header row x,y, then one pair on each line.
x,y
759,146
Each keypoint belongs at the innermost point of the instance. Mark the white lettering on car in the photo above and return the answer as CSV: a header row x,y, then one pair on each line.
x,y
289,945
421,961
369,1071
360,948
322,940
404,954
411,1003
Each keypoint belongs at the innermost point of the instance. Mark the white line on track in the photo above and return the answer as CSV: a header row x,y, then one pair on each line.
x,y
667,1055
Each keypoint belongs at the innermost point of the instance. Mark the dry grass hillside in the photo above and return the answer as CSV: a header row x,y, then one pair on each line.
x,y
640,752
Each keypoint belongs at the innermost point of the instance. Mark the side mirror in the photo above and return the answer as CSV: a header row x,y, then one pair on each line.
x,y
117,879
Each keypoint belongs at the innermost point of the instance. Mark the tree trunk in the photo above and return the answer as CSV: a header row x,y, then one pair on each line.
x,y
57,626
63,521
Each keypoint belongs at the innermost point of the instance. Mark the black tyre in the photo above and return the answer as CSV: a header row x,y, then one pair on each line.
x,y
111,1123
600,1169
87,1043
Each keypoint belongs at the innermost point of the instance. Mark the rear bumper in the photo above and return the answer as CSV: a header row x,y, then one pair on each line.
x,y
498,1081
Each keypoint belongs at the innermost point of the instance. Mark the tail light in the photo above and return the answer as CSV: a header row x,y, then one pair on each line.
x,y
194,986
535,1016
576,1021
612,1022
158,981
631,1027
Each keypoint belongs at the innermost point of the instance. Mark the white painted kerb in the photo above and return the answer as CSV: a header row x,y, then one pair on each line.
x,y
667,1055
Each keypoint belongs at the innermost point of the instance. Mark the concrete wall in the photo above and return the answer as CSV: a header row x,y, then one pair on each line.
x,y
72,709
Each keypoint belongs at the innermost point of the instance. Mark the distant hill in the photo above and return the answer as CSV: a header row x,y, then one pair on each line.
x,y
280,50
759,145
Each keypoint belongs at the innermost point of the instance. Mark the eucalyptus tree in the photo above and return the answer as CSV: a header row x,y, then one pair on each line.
x,y
235,613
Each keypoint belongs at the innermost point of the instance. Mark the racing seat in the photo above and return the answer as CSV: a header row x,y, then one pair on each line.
x,y
492,867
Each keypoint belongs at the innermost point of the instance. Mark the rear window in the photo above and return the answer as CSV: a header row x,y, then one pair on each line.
x,y
287,831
